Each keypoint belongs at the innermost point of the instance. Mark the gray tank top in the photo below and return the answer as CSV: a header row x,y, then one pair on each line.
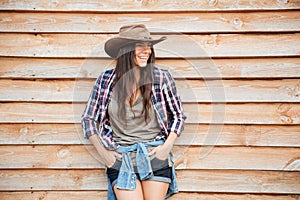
x,y
136,129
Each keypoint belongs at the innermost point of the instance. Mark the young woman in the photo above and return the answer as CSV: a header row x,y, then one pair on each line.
x,y
133,118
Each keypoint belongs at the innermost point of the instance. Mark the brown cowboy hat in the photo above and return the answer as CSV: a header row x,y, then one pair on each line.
x,y
128,35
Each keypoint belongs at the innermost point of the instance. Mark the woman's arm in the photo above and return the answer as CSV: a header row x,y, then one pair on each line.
x,y
173,105
162,152
91,114
108,156
176,117
90,119
94,116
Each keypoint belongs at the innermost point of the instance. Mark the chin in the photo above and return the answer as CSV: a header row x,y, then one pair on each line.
x,y
143,65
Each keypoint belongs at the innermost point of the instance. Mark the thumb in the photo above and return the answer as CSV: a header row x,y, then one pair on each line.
x,y
117,155
152,152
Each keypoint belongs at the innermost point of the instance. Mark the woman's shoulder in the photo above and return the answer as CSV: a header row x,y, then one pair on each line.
x,y
162,73
109,71
106,73
105,77
159,71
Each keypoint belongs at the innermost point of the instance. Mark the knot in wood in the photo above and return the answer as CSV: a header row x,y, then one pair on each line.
x,y
212,2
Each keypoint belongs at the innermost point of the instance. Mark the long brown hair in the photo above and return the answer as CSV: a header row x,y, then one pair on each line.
x,y
126,83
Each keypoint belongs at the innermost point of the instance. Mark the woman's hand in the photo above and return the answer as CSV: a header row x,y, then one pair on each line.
x,y
161,152
109,157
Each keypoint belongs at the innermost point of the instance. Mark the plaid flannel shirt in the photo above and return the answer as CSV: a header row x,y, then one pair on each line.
x,y
164,98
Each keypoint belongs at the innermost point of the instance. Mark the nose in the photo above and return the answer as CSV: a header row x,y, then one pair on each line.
x,y
146,48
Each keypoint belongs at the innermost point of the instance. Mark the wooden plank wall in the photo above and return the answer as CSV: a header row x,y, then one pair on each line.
x,y
237,69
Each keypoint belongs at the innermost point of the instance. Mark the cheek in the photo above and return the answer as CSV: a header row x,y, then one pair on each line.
x,y
136,55
135,60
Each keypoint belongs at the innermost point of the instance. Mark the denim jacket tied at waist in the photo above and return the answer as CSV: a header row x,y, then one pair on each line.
x,y
127,177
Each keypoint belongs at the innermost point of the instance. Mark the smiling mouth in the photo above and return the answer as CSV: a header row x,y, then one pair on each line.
x,y
144,58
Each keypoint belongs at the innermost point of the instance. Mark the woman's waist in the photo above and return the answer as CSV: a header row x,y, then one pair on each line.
x,y
139,146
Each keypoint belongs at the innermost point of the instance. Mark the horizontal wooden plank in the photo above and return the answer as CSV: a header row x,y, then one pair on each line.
x,y
263,113
102,195
42,134
127,5
247,113
180,68
220,135
61,195
86,156
240,135
214,196
280,21
52,180
254,158
284,90
196,46
188,180
244,181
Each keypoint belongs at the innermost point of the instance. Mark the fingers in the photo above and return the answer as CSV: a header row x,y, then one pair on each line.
x,y
153,151
110,165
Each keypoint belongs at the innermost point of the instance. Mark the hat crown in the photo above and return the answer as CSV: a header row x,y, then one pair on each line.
x,y
135,32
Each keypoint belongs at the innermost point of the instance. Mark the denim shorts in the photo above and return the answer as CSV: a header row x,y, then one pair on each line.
x,y
161,171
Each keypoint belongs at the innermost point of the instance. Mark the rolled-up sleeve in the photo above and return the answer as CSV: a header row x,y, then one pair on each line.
x,y
173,105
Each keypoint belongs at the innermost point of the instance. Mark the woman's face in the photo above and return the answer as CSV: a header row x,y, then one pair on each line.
x,y
142,53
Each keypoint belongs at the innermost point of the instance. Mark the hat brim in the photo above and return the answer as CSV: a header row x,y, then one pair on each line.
x,y
113,45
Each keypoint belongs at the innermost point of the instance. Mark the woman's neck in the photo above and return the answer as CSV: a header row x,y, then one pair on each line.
x,y
137,72
136,92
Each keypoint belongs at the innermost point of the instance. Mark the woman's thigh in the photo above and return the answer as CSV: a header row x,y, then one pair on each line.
x,y
154,190
136,194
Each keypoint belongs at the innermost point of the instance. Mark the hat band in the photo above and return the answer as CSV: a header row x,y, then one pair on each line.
x,y
137,38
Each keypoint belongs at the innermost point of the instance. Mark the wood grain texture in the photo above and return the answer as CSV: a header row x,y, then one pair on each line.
x,y
100,195
220,135
285,90
234,181
27,68
86,157
197,196
196,46
247,113
157,22
246,158
54,195
146,5
245,54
